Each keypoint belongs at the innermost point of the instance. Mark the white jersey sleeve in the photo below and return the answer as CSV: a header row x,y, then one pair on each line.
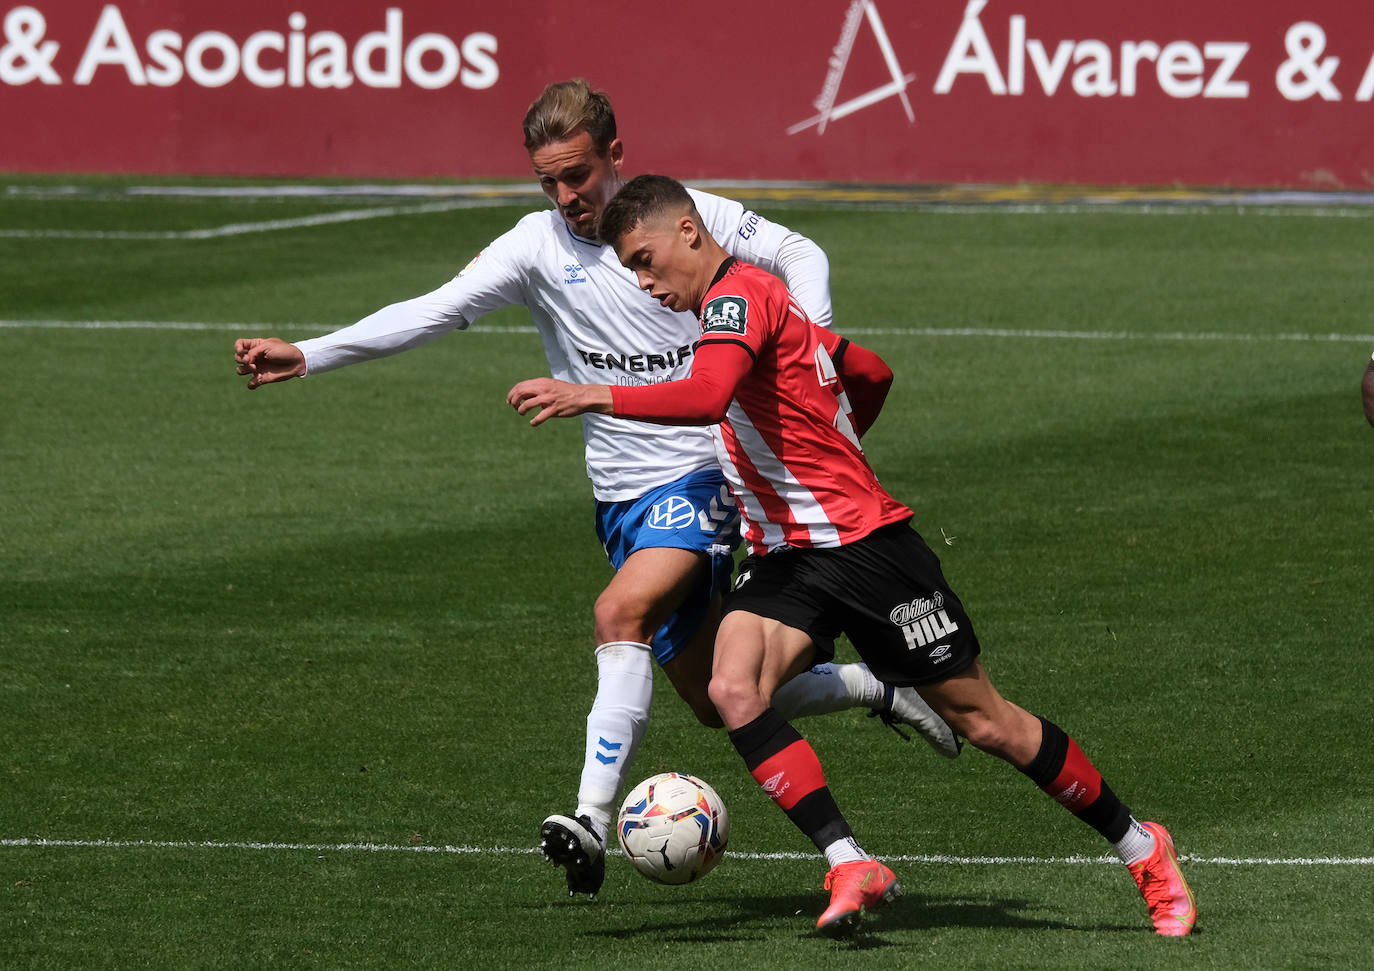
x,y
493,279
792,257
596,326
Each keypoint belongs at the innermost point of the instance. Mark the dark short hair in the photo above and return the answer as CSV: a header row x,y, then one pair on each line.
x,y
565,108
643,198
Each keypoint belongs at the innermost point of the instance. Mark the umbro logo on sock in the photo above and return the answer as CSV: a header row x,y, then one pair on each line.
x,y
774,786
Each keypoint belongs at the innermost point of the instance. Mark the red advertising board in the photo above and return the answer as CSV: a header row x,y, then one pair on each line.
x,y
1202,92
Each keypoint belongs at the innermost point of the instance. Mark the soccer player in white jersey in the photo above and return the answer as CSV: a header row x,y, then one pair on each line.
x,y
664,515
831,552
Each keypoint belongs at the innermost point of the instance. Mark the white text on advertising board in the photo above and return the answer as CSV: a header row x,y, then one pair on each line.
x,y
266,58
1180,68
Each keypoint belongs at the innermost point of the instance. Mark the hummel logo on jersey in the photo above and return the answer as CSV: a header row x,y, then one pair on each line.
x,y
726,314
573,273
672,513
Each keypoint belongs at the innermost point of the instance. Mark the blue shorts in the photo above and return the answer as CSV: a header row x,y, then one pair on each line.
x,y
696,512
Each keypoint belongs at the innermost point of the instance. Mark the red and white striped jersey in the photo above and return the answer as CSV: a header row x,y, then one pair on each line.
x,y
787,444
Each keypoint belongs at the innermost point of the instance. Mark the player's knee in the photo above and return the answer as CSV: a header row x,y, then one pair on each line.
x,y
736,700
1000,737
979,732
618,619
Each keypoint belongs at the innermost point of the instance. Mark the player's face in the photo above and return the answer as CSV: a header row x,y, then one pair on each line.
x,y
578,179
661,258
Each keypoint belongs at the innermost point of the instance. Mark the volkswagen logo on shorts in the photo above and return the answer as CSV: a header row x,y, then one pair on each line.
x,y
672,513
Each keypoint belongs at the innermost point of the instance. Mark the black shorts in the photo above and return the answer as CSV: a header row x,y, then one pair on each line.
x,y
886,592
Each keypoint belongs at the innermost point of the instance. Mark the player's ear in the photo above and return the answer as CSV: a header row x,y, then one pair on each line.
x,y
688,229
616,152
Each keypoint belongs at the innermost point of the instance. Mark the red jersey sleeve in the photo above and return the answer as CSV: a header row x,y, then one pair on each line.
x,y
735,321
701,399
866,379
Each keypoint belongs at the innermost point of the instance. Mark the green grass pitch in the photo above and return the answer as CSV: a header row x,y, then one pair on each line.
x,y
244,635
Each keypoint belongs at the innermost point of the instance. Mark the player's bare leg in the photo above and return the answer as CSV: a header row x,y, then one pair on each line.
x,y
754,655
973,708
1054,762
645,591
690,670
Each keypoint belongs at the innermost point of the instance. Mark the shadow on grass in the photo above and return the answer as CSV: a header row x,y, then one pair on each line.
x,y
759,917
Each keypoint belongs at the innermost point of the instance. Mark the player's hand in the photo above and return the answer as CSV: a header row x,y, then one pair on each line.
x,y
558,399
268,359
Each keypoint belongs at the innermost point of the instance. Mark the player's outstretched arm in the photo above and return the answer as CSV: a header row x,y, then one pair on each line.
x,y
1367,392
268,359
558,399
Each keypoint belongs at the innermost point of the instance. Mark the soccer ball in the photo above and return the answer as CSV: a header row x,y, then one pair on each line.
x,y
673,827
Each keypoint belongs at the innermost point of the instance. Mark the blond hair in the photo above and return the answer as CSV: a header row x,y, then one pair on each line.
x,y
563,109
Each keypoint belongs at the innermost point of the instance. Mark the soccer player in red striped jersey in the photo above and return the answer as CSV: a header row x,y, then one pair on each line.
x,y
831,553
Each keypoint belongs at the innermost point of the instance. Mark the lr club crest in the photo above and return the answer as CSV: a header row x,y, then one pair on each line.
x,y
725,315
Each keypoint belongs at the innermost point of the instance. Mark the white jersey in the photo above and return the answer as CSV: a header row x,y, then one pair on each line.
x,y
596,325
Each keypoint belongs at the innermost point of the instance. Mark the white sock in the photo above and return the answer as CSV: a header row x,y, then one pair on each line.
x,y
826,688
865,690
845,850
1136,845
615,725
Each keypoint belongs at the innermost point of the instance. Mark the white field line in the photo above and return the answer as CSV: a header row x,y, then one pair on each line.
x,y
1075,208
241,229
506,192
990,332
798,190
783,195
930,858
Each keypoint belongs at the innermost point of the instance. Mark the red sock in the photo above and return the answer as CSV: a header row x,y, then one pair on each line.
x,y
1078,783
790,774
785,766
1063,772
